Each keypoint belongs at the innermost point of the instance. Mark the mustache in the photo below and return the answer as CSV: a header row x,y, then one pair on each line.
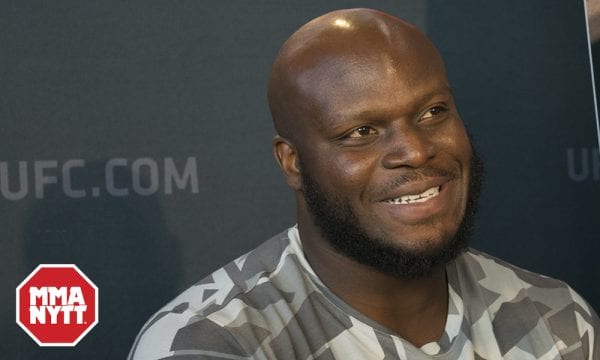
x,y
415,175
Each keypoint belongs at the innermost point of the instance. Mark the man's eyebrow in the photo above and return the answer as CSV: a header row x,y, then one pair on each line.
x,y
366,115
370,114
442,90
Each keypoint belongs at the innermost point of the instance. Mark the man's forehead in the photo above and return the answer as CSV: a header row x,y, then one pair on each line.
x,y
344,85
367,69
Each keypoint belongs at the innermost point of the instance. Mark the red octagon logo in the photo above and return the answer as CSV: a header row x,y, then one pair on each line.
x,y
57,305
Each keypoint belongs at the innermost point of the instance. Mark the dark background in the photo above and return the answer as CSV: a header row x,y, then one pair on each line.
x,y
179,79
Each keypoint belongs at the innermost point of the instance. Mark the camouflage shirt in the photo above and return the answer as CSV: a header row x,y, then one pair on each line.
x,y
269,304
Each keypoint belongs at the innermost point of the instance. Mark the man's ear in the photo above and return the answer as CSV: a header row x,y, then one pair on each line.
x,y
287,158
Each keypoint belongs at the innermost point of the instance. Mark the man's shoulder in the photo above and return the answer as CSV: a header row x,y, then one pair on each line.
x,y
509,280
521,304
213,305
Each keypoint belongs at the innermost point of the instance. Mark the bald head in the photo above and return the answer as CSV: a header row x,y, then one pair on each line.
x,y
334,55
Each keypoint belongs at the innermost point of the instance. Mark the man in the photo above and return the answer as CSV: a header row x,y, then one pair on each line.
x,y
386,181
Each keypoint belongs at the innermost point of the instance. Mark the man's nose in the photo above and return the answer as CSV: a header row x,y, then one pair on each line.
x,y
408,147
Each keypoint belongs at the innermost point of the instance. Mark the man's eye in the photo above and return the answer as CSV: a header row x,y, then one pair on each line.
x,y
362,131
433,112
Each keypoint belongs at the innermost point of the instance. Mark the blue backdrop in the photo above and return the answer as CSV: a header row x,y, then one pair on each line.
x,y
135,143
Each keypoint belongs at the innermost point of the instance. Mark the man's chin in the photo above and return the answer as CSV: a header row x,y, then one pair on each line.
x,y
382,252
429,237
407,261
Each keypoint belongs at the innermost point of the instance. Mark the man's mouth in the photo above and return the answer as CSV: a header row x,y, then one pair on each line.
x,y
418,198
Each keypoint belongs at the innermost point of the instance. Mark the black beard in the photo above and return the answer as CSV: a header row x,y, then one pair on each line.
x,y
338,225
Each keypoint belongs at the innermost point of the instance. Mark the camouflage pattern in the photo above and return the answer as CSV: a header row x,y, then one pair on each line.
x,y
269,304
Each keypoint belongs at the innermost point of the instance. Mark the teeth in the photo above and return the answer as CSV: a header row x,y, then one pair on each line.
x,y
422,197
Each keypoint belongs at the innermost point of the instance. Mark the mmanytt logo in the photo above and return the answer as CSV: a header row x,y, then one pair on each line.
x,y
583,164
57,305
120,177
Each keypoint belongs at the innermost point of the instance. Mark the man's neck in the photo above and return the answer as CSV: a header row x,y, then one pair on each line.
x,y
415,309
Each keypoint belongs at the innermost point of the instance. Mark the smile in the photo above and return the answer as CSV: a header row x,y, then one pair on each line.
x,y
419,198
